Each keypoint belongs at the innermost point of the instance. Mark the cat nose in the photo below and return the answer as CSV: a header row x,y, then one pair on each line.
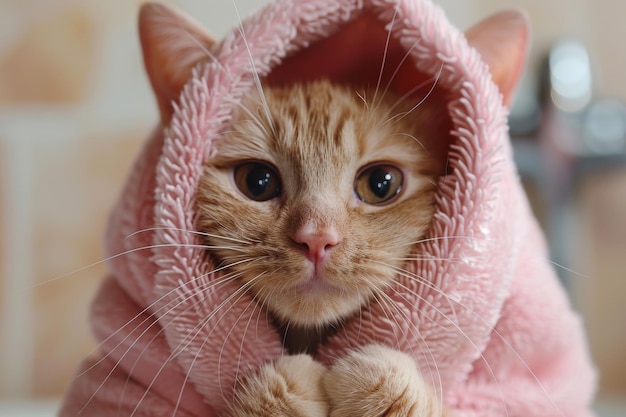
x,y
316,243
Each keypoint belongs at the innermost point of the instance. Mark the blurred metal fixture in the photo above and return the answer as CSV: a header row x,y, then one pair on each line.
x,y
604,128
570,74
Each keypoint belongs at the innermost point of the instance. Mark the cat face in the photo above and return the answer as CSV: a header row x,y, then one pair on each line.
x,y
313,205
316,197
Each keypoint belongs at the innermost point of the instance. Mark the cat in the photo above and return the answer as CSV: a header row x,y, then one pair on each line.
x,y
328,222
305,188
306,191
315,197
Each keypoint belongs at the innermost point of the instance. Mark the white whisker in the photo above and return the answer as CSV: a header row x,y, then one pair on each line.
x,y
255,74
208,53
431,239
385,52
416,140
395,72
128,252
363,99
399,116
194,232
252,302
435,381
491,328
185,343
254,117
461,332
220,282
130,345
571,271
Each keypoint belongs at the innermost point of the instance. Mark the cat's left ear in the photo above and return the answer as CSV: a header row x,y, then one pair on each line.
x,y
503,40
172,44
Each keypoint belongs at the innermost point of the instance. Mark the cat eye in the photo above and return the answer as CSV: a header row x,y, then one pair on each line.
x,y
378,184
257,181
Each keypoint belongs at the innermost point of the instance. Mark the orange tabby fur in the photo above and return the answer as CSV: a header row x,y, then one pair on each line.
x,y
319,136
322,136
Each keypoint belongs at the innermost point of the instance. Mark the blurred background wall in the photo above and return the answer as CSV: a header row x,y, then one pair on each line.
x,y
75,107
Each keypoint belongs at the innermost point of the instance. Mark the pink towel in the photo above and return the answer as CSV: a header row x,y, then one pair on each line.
x,y
493,332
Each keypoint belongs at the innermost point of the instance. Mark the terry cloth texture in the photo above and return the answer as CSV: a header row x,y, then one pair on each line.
x,y
492,331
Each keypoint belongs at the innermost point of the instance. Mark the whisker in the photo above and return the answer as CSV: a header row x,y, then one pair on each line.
x,y
200,349
255,74
164,325
258,319
428,284
222,281
427,258
363,99
431,239
151,316
242,290
219,360
384,60
491,328
183,345
460,330
254,117
453,322
571,271
128,252
404,58
416,140
399,116
194,232
436,381
208,52
432,88
130,346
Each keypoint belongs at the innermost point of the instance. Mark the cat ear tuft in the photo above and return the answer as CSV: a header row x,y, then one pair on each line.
x,y
172,44
503,40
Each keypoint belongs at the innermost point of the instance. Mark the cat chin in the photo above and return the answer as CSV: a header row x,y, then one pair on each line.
x,y
317,287
316,308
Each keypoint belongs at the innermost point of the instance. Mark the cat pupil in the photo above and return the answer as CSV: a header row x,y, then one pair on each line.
x,y
380,182
258,179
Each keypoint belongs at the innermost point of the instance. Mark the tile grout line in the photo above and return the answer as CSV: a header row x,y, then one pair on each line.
x,y
17,337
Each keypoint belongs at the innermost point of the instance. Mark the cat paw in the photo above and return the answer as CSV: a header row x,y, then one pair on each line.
x,y
289,387
378,381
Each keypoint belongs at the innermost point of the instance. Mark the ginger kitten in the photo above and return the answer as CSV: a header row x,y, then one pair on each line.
x,y
314,199
325,194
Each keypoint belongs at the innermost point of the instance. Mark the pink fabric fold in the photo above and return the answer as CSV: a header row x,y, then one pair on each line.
x,y
489,326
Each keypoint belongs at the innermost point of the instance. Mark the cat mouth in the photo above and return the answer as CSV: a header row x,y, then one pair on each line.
x,y
318,280
317,285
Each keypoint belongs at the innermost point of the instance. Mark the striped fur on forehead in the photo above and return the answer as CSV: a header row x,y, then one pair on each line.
x,y
319,137
320,122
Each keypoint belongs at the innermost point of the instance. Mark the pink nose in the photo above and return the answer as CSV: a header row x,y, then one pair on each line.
x,y
316,243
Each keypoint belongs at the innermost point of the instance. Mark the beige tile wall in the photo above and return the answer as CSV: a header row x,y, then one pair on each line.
x,y
90,170
66,146
75,106
58,72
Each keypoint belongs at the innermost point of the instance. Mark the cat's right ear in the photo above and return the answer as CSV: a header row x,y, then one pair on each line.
x,y
172,44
